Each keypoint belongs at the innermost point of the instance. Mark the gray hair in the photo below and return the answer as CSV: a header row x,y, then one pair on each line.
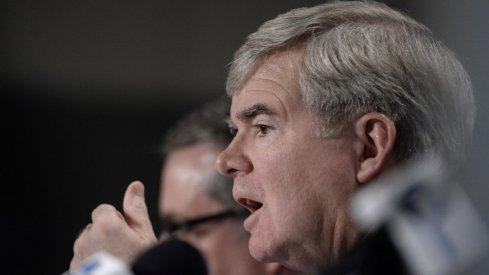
x,y
205,124
364,57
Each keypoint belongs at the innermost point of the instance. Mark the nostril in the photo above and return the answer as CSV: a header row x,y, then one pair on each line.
x,y
225,170
231,172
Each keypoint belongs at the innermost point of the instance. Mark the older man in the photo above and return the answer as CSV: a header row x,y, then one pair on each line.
x,y
324,100
195,204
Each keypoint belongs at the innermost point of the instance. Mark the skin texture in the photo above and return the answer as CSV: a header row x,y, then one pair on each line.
x,y
124,235
303,181
223,243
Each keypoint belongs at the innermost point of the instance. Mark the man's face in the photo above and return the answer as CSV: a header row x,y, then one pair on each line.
x,y
295,183
186,174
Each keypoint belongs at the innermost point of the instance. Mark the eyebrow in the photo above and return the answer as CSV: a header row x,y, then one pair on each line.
x,y
254,111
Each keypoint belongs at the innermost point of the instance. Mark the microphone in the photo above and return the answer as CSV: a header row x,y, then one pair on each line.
x,y
102,263
171,257
419,221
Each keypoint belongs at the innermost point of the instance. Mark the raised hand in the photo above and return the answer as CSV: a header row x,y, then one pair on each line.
x,y
122,235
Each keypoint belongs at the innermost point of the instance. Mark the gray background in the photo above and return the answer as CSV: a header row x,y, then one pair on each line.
x,y
89,87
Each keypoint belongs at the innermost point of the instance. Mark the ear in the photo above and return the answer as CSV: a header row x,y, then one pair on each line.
x,y
376,134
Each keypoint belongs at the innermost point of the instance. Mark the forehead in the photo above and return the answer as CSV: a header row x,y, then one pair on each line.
x,y
274,82
186,175
191,165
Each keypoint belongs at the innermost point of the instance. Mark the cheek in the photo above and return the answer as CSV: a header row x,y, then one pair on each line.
x,y
316,183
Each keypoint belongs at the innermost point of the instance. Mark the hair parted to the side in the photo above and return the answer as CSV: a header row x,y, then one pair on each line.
x,y
206,124
362,56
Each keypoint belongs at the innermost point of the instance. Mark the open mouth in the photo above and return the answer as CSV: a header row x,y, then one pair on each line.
x,y
250,204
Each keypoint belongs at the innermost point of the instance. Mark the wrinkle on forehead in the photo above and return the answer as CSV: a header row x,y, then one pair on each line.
x,y
277,75
280,68
288,68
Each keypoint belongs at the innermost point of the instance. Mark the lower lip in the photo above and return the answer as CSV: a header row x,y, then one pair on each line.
x,y
250,221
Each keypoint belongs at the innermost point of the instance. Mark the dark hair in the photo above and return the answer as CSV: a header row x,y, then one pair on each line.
x,y
204,124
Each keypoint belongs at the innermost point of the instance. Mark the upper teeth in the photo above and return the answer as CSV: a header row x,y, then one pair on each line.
x,y
251,203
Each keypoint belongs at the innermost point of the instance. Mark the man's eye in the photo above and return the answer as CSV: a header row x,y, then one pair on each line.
x,y
263,130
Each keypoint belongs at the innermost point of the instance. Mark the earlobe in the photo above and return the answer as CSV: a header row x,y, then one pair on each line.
x,y
376,134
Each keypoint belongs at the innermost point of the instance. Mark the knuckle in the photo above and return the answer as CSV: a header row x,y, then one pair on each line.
x,y
79,248
106,226
76,246
106,212
103,208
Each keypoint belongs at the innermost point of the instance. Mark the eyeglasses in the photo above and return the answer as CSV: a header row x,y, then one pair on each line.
x,y
173,227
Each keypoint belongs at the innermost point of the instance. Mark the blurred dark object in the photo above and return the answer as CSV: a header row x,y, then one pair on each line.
x,y
373,255
171,257
421,223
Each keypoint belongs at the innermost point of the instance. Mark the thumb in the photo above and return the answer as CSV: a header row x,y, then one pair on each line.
x,y
135,209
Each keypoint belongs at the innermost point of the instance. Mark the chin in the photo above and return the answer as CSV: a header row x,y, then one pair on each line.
x,y
261,250
268,250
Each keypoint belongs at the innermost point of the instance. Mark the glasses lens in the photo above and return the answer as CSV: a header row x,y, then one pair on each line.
x,y
171,228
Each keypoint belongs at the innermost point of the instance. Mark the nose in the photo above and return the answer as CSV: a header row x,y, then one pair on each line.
x,y
232,161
